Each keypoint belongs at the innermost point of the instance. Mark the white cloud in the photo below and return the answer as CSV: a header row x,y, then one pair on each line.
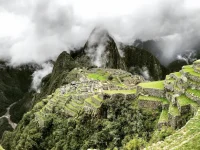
x,y
38,30
39,74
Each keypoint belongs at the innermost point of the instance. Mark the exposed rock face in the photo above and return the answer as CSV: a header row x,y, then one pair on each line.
x,y
102,50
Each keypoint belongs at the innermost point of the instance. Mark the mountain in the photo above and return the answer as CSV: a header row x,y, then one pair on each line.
x,y
101,50
140,61
95,110
103,108
14,84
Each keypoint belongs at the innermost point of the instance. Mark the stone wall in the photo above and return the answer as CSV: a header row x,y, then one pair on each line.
x,y
150,104
173,121
153,92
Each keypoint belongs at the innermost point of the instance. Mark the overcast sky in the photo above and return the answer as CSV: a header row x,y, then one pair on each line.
x,y
38,30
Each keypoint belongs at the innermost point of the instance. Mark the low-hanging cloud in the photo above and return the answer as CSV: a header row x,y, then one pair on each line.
x,y
39,74
36,31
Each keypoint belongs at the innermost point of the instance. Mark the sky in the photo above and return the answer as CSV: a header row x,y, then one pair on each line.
x,y
39,30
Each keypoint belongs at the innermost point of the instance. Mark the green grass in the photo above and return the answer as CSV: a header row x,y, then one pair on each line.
x,y
183,100
167,77
97,76
174,111
177,74
89,100
191,71
120,91
196,62
187,138
1,148
187,67
152,98
163,116
97,98
195,92
72,107
154,85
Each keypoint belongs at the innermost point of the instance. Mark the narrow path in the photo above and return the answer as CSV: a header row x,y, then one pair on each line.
x,y
7,115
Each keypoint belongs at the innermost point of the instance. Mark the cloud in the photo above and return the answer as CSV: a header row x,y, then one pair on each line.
x,y
35,31
39,74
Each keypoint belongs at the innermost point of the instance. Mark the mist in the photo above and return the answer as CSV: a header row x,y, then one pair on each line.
x,y
39,30
38,75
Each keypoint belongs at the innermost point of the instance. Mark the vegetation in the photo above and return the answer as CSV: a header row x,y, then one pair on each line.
x,y
186,138
153,85
173,110
193,91
183,100
120,91
113,129
163,116
97,76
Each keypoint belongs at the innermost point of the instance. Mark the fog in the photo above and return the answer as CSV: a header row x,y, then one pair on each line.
x,y
39,30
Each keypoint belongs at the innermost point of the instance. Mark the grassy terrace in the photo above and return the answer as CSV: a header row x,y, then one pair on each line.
x,y
195,92
97,98
152,98
191,71
183,100
153,85
120,91
174,111
196,62
167,77
89,101
187,138
163,116
187,67
177,74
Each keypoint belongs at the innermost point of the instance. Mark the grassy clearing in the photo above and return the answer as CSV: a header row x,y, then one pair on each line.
x,y
174,111
163,116
154,85
120,91
97,76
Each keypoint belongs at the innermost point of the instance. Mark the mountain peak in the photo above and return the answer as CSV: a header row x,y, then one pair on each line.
x,y
102,50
